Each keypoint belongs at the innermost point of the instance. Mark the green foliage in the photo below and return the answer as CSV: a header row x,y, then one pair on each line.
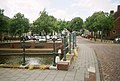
x,y
99,21
4,22
62,24
75,24
44,23
19,24
47,24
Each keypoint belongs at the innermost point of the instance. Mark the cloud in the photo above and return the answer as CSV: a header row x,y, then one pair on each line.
x,y
64,14
95,5
84,8
59,14
67,10
30,8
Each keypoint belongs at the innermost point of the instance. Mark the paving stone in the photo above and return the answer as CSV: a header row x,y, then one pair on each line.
x,y
13,79
41,77
58,79
109,58
38,80
4,79
68,79
30,79
20,79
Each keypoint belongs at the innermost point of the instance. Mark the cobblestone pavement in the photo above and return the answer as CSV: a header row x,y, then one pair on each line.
x,y
109,59
84,68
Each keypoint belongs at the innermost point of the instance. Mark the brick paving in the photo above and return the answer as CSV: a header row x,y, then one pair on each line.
x,y
108,55
84,68
109,59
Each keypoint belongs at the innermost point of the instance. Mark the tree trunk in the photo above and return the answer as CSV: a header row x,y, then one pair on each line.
x,y
3,35
101,35
94,36
91,35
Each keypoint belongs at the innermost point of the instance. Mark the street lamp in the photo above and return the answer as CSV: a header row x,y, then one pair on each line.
x,y
23,45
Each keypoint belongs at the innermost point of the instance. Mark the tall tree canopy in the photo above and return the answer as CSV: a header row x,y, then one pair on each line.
x,y
44,23
99,21
4,24
4,21
19,24
75,24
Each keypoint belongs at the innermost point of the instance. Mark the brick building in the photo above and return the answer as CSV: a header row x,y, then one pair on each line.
x,y
116,30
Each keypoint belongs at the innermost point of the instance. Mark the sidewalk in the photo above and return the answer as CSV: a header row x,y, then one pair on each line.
x,y
85,68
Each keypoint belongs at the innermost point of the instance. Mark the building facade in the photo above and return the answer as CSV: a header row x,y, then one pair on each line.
x,y
116,30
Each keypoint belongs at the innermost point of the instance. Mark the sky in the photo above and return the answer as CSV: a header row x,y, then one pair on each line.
x,y
60,9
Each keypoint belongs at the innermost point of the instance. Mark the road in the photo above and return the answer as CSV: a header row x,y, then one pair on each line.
x,y
108,56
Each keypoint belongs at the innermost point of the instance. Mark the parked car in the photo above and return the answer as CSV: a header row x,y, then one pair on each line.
x,y
47,37
57,37
29,37
117,39
88,36
42,39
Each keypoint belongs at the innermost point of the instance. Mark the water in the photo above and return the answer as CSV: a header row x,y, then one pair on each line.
x,y
30,59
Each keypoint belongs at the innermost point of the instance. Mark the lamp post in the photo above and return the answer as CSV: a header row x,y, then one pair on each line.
x,y
23,45
54,51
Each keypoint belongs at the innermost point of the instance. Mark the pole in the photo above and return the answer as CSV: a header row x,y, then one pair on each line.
x,y
23,51
54,64
64,47
73,40
70,42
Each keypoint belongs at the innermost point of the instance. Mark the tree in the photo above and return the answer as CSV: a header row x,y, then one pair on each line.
x,y
4,24
19,24
75,24
52,24
99,21
61,24
45,23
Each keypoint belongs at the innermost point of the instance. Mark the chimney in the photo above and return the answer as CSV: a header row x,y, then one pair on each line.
x,y
118,8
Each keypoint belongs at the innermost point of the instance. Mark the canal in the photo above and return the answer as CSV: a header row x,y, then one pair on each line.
x,y
30,59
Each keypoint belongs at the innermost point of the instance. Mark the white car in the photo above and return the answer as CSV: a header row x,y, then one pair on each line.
x,y
42,39
117,39
48,37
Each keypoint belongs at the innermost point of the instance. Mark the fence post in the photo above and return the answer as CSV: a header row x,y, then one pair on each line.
x,y
54,51
70,42
75,38
64,47
23,51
